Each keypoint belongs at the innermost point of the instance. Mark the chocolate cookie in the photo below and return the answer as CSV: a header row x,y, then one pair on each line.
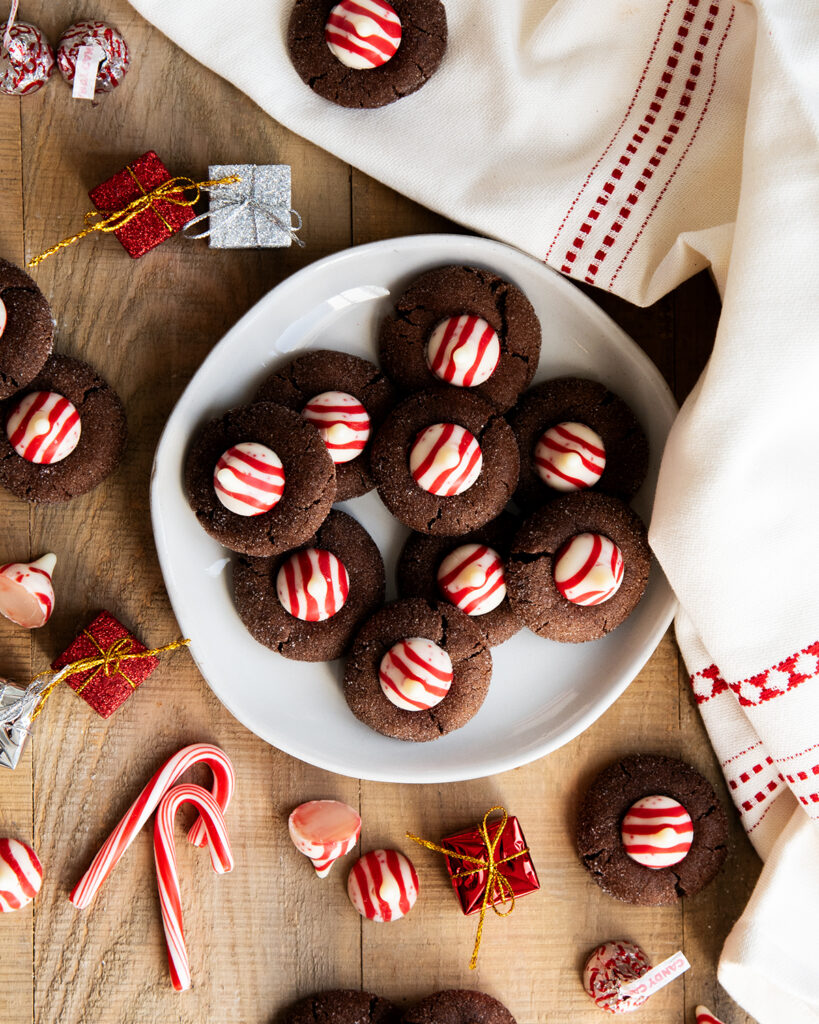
x,y
383,74
309,479
258,604
421,558
455,291
102,434
325,371
600,844
458,1006
530,570
576,400
448,629
444,514
26,329
342,1006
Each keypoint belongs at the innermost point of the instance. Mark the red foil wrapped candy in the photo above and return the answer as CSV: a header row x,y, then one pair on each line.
x,y
112,46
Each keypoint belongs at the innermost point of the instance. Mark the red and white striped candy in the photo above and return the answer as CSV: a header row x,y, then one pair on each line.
x,y
29,62
224,781
363,34
43,427
324,830
167,878
657,832
445,459
342,421
249,479
472,578
609,966
26,593
704,1016
415,674
588,569
570,457
383,885
3,317
21,875
313,585
114,53
464,351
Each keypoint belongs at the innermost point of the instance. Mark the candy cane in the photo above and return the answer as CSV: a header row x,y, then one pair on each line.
x,y
135,817
167,878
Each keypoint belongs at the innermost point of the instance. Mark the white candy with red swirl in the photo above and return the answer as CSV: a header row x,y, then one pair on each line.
x,y
657,832
570,457
249,479
363,34
463,351
312,585
445,459
26,592
609,966
3,317
383,885
704,1016
324,830
21,875
588,569
44,427
342,421
415,674
472,578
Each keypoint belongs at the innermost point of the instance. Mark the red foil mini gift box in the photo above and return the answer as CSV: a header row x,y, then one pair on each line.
x,y
152,226
109,685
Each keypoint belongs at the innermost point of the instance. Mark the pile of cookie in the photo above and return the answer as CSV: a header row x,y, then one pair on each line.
x,y
347,1006
516,499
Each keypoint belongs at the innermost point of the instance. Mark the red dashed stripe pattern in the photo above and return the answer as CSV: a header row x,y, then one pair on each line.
x,y
782,678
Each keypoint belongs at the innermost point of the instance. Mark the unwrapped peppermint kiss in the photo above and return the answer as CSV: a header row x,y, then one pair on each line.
x,y
445,459
26,593
415,674
657,832
383,885
324,830
342,421
464,351
610,966
472,578
249,479
588,569
312,585
44,427
570,457
3,317
21,875
363,34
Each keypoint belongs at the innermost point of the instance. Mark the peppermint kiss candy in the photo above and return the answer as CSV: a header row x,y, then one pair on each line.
x,y
657,832
471,577
464,351
570,457
249,479
704,1016
363,34
588,569
26,593
609,966
313,585
383,885
29,63
21,875
44,427
445,459
342,422
415,674
324,830
3,317
112,49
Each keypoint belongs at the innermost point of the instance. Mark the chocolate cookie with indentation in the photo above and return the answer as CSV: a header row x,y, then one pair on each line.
x,y
458,1006
364,68
419,575
577,400
530,570
309,479
457,291
445,514
255,583
342,1006
322,372
26,329
599,824
102,433
448,629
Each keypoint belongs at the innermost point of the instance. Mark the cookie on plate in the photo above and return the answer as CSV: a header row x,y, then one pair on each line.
x,y
26,329
458,1006
342,1006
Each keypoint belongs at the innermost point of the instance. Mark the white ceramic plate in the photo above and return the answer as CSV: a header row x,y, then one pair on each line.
x,y
542,693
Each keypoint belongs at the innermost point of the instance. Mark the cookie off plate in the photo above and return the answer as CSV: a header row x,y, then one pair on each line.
x,y
542,693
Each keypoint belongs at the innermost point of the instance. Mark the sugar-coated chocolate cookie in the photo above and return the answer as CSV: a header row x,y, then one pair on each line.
x,y
458,1006
342,1006
600,821
435,513
450,631
255,586
95,426
308,473
578,400
328,72
323,371
530,571
26,329
454,291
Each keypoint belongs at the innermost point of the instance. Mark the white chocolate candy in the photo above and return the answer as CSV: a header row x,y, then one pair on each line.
x,y
570,457
312,585
383,885
472,578
363,34
657,832
463,351
26,593
445,459
324,830
3,317
44,427
249,479
415,674
342,421
21,875
611,965
588,569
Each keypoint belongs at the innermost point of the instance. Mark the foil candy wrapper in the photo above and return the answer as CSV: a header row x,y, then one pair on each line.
x,y
29,61
17,706
255,213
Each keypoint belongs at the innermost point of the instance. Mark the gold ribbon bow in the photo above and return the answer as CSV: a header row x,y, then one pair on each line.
x,y
498,886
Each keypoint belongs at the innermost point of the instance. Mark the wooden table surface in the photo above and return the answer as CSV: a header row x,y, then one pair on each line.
x,y
270,932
